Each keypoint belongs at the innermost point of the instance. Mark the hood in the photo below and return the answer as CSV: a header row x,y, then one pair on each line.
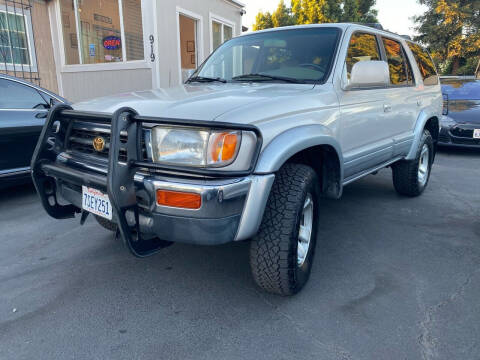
x,y
464,111
194,102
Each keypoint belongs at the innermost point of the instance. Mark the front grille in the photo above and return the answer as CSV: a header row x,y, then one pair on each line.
x,y
465,141
463,132
80,141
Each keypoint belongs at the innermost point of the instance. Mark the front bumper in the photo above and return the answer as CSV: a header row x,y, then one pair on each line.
x,y
232,202
231,209
458,136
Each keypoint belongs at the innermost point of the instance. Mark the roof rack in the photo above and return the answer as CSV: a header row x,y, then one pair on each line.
x,y
379,26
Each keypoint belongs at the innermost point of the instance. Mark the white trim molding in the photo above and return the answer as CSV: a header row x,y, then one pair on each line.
x,y
128,65
235,3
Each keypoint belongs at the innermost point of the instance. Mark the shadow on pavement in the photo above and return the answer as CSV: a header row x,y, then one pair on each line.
x,y
450,150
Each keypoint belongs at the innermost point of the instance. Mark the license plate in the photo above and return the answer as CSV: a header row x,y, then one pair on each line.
x,y
96,202
476,134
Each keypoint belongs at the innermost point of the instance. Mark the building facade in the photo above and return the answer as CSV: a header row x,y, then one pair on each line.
x,y
83,49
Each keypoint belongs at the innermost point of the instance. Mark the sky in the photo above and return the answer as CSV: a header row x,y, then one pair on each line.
x,y
394,15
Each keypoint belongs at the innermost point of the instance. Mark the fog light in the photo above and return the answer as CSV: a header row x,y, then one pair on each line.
x,y
179,199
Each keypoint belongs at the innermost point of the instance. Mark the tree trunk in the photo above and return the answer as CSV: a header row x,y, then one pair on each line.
x,y
455,65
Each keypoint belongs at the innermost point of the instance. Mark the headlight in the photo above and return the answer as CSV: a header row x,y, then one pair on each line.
x,y
195,147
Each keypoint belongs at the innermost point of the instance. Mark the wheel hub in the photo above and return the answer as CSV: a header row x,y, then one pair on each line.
x,y
423,165
305,230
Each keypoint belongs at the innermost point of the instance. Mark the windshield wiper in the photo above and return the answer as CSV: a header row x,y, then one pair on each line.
x,y
264,77
205,79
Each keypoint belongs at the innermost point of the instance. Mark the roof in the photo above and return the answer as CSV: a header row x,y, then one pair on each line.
x,y
238,3
342,26
24,82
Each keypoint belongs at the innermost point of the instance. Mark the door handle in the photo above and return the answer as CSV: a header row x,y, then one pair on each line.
x,y
387,108
41,115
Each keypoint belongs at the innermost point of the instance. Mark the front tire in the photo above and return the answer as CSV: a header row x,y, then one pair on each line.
x,y
106,224
410,177
282,252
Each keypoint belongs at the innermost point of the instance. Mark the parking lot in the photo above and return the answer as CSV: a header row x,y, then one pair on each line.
x,y
394,278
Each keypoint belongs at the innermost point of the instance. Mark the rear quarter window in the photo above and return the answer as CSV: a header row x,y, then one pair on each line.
x,y
19,96
425,64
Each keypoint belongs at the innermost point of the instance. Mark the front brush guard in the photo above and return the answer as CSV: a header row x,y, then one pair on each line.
x,y
119,182
49,144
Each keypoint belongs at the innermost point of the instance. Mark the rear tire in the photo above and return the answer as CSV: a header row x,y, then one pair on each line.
x,y
281,256
410,177
106,224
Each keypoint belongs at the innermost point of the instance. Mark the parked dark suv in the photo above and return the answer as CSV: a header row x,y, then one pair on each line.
x,y
461,112
23,110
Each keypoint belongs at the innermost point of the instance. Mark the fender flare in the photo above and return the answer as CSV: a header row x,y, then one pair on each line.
x,y
417,132
295,140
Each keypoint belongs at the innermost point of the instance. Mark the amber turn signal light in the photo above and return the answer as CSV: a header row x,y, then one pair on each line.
x,y
224,147
179,199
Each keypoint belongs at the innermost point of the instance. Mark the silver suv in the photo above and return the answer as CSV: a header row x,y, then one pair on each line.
x,y
271,122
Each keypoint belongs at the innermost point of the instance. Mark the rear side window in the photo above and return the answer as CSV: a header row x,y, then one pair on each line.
x,y
425,64
19,96
400,70
362,47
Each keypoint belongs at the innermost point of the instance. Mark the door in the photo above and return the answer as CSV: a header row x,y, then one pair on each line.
x,y
365,139
188,46
22,115
401,105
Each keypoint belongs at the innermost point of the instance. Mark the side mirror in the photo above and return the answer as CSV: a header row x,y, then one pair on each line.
x,y
369,74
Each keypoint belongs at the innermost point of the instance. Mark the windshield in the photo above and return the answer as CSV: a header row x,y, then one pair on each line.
x,y
299,55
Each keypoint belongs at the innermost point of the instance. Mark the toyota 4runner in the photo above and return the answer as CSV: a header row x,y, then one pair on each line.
x,y
269,124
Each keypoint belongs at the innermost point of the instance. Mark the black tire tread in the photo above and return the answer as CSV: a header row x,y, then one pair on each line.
x,y
106,224
405,172
272,258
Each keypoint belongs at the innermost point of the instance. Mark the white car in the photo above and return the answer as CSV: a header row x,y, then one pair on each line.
x,y
266,126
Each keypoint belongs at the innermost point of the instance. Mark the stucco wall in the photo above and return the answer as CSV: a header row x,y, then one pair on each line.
x,y
91,84
76,84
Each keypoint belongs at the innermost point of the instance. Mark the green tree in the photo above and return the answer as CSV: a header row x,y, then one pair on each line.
x,y
318,11
282,16
263,21
367,13
351,11
451,30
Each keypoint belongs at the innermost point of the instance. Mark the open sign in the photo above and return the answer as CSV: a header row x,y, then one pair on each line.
x,y
111,42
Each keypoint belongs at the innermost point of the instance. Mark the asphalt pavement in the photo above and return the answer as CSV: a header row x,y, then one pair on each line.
x,y
394,278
